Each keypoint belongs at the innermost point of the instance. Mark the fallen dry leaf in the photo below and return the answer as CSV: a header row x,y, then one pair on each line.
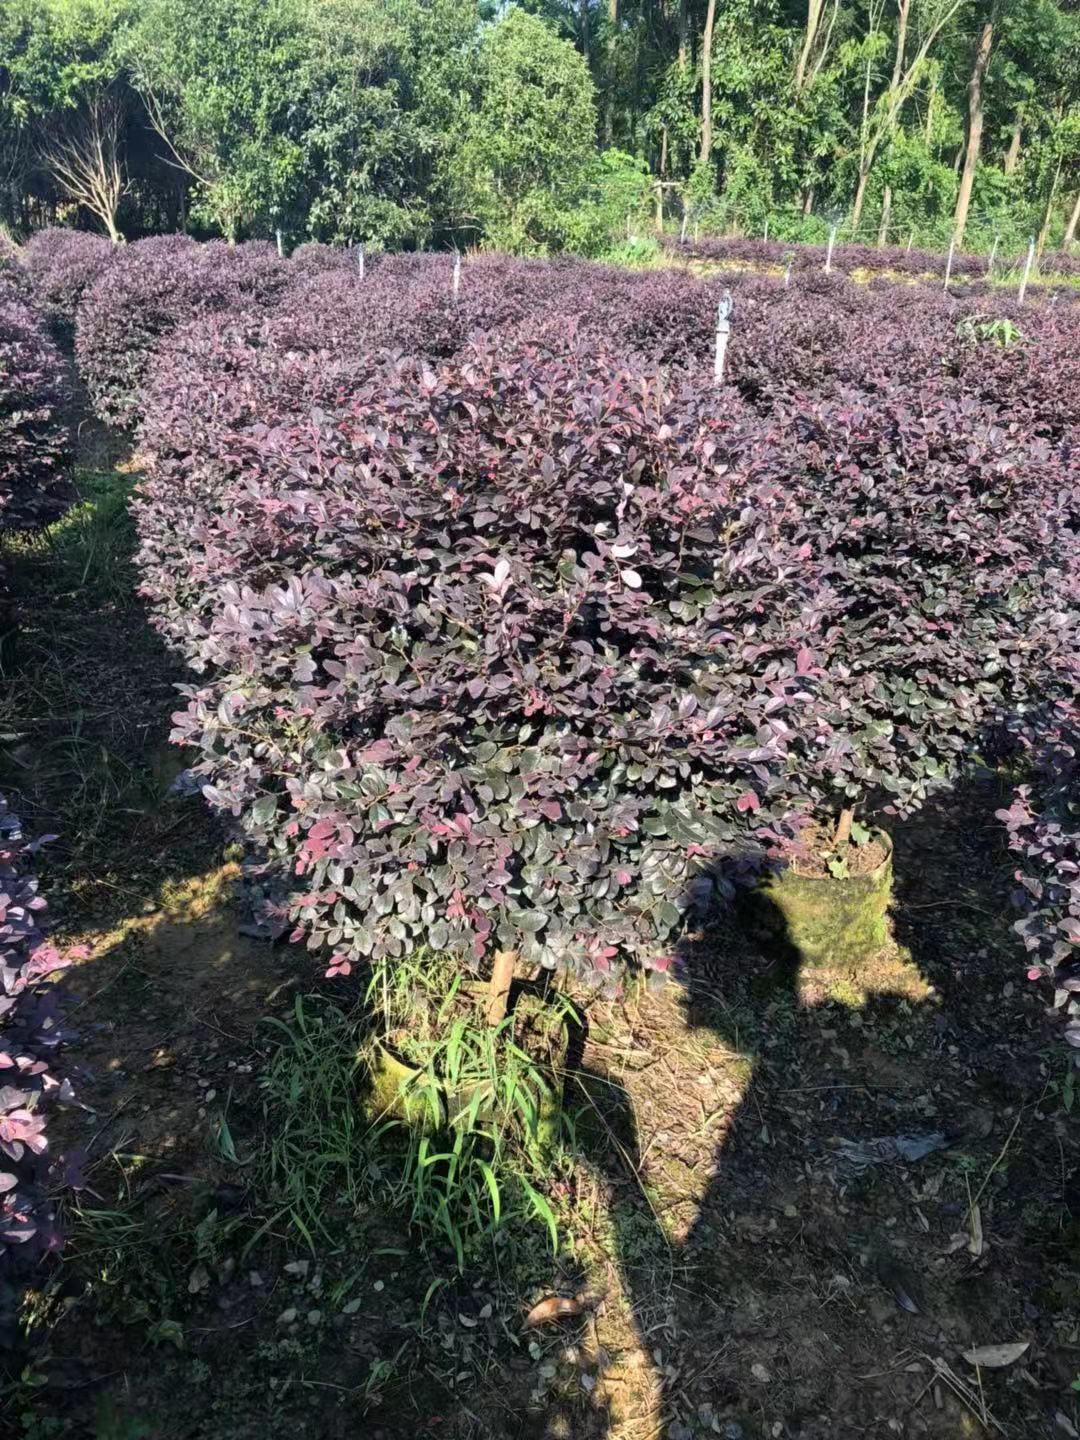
x,y
994,1357
976,1244
556,1307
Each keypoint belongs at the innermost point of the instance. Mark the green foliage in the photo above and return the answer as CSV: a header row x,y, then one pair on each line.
x,y
468,1155
999,330
220,79
412,122
523,160
492,1095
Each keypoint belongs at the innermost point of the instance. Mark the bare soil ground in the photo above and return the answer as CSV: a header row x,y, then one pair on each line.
x,y
796,1198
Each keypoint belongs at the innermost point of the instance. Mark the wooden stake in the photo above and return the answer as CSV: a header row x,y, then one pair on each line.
x,y
828,253
280,245
843,828
993,252
360,259
457,272
502,976
948,263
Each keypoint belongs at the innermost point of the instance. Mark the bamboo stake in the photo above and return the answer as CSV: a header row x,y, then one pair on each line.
x,y
502,976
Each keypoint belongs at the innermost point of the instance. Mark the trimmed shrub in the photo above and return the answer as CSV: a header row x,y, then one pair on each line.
x,y
61,265
315,258
1043,824
34,437
151,288
515,623
518,647
30,1037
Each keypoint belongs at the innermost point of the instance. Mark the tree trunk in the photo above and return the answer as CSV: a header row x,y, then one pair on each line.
x,y
502,977
1048,213
860,189
903,9
808,201
684,34
706,83
660,181
1013,152
813,20
930,112
883,228
583,12
1074,223
609,94
975,127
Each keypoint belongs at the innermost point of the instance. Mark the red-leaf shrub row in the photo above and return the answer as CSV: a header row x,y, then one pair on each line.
x,y
61,265
517,640
34,436
30,1037
1044,830
314,258
151,288
847,259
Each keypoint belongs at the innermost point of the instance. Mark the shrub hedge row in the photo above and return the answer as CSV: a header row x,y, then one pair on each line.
x,y
510,625
61,265
146,292
34,433
31,1034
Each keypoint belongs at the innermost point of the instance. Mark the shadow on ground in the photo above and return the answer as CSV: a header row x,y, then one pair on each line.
x,y
825,1186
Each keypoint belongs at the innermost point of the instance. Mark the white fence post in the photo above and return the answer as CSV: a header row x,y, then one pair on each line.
x,y
948,262
280,245
1027,271
828,253
723,330
457,273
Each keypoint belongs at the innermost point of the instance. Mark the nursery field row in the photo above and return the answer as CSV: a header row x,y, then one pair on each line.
x,y
512,625
879,260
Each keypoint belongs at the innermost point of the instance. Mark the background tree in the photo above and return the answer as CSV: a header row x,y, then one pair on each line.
x,y
394,121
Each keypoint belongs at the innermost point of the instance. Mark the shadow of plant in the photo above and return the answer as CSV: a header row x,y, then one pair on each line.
x,y
877,1201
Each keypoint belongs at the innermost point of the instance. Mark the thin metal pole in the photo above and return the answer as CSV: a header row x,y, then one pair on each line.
x,y
1027,271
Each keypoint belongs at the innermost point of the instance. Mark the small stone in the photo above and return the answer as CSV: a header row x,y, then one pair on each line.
x,y
314,1316
378,1286
287,1316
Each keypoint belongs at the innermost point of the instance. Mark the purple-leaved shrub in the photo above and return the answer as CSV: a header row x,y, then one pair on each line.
x,y
61,264
511,627
150,289
34,434
31,1035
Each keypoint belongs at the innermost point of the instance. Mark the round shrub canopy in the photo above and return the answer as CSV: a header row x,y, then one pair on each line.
x,y
518,637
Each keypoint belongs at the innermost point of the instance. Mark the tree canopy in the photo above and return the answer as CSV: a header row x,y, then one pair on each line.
x,y
542,125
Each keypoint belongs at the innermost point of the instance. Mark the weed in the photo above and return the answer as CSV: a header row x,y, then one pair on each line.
x,y
313,1160
472,1145
139,1262
999,330
491,1097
